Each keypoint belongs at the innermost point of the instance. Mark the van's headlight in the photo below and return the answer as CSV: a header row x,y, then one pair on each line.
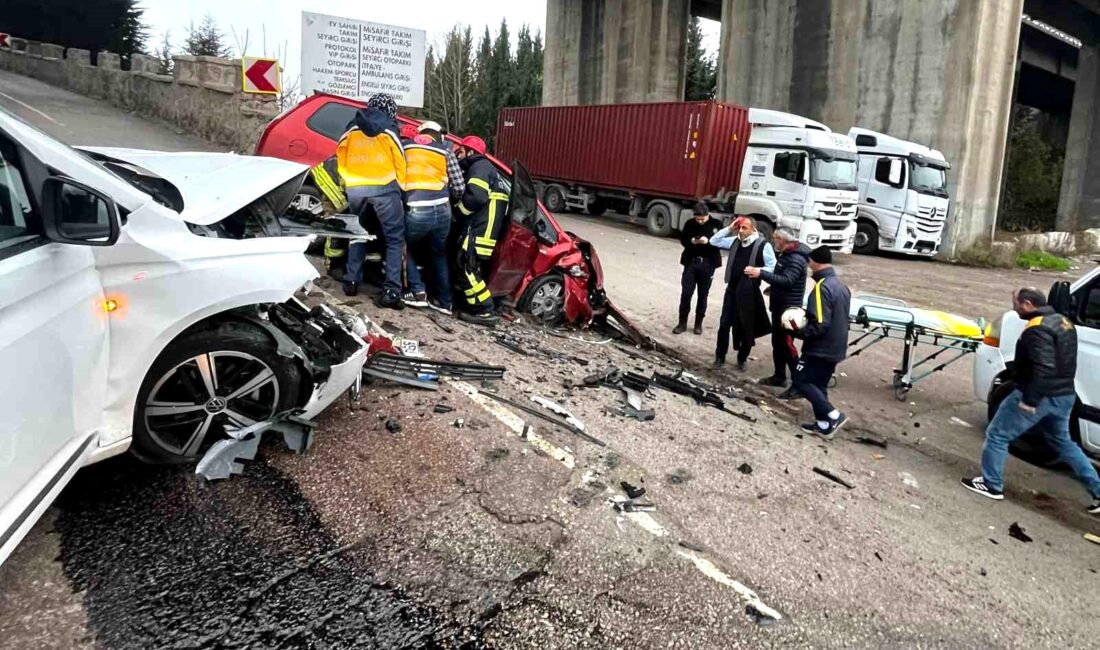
x,y
576,271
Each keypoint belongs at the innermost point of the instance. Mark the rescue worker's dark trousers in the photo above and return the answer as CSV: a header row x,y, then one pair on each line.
x,y
391,215
696,279
784,352
729,326
812,377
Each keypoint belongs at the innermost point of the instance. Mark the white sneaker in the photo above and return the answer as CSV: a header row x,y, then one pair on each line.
x,y
416,299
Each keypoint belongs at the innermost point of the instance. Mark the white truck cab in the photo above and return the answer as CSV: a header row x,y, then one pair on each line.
x,y
799,174
903,200
1080,302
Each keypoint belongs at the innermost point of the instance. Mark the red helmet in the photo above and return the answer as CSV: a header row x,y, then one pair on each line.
x,y
408,131
475,143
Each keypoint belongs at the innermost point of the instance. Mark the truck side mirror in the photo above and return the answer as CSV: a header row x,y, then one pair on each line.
x,y
801,173
1059,298
895,177
74,213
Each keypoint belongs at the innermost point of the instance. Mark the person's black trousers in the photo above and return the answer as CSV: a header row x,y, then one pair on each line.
x,y
784,353
728,325
696,279
812,379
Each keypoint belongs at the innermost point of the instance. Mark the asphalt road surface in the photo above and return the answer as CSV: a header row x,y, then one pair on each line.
x,y
425,533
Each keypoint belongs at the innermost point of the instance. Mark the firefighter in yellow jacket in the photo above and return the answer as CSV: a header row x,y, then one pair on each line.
x,y
371,162
482,218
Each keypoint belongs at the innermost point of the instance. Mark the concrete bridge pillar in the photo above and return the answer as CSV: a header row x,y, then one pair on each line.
x,y
614,51
1079,201
938,72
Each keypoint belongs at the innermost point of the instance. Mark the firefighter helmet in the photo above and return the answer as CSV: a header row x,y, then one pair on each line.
x,y
475,143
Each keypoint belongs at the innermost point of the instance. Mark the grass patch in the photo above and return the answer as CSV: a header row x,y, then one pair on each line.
x,y
1042,260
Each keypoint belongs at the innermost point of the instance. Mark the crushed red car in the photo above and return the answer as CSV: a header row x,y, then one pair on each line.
x,y
538,266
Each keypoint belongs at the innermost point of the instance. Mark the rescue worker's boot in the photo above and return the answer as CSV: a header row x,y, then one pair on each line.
x,y
681,327
698,325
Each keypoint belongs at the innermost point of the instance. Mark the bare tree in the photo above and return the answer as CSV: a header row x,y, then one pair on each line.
x,y
450,80
164,55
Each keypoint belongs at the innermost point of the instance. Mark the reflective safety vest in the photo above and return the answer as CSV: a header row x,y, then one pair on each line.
x,y
426,176
371,161
326,177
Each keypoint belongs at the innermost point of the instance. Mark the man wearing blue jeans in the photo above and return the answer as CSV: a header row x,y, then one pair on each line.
x,y
433,178
1043,370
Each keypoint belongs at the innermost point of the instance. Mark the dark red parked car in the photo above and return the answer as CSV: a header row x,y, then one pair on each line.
x,y
537,266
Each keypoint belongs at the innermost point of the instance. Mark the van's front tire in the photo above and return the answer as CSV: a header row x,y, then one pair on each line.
x,y
176,418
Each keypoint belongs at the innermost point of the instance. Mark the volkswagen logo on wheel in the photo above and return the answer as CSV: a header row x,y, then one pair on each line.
x,y
215,405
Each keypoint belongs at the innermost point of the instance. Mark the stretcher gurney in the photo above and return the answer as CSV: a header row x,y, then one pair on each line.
x,y
878,318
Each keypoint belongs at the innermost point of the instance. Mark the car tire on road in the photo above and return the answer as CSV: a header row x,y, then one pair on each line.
x,y
545,299
554,198
866,239
176,419
658,219
1032,446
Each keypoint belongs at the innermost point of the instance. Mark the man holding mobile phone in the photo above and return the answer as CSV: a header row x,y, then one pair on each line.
x,y
699,260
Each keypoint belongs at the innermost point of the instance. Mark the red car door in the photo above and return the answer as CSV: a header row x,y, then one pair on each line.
x,y
517,251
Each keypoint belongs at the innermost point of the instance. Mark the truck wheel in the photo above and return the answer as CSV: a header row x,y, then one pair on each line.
x,y
765,229
554,198
207,379
545,299
597,207
866,239
658,220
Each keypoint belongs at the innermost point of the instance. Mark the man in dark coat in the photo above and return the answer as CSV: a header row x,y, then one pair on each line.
x,y
699,260
744,315
787,286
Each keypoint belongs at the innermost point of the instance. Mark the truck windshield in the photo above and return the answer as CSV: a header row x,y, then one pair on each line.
x,y
927,179
832,173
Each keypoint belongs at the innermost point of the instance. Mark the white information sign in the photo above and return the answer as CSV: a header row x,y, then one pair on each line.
x,y
355,58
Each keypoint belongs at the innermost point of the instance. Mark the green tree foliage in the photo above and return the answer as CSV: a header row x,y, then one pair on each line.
x,y
113,25
702,72
1033,177
164,53
464,88
206,40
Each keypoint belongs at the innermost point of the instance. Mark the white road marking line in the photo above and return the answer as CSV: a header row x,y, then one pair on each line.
x,y
515,423
30,108
714,573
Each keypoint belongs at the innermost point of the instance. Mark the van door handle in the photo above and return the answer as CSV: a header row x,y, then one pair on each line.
x,y
771,193
870,200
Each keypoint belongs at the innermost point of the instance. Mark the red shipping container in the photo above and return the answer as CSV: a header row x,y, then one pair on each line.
x,y
685,150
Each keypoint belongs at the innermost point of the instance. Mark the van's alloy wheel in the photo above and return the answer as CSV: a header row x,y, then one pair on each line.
x,y
204,393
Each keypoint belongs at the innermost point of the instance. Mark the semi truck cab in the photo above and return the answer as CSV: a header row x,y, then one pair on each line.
x,y
800,175
903,200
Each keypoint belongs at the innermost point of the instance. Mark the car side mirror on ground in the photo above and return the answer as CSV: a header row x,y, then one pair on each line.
x,y
74,213
1059,299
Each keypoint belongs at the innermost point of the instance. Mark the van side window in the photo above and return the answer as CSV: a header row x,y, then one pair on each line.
x,y
882,171
331,120
788,166
18,221
1090,307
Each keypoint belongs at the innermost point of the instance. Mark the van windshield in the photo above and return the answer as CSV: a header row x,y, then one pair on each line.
x,y
927,179
832,173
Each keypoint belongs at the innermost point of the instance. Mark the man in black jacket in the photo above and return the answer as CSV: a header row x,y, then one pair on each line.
x,y
826,343
699,260
787,284
1043,371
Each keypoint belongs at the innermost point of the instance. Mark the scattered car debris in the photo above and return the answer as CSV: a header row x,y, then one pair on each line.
x,y
458,423
960,422
1092,538
443,408
632,505
679,477
628,411
700,395
393,426
872,441
512,344
552,419
223,458
879,557
759,617
745,468
908,479
833,477
1015,531
632,491
982,572
554,407
691,547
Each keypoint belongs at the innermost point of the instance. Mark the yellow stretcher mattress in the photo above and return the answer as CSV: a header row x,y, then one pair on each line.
x,y
878,309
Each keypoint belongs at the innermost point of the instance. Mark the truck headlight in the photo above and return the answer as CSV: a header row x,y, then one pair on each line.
x,y
576,271
812,239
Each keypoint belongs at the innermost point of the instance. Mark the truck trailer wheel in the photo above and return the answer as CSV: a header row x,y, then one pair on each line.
x,y
658,219
230,375
554,198
597,207
866,239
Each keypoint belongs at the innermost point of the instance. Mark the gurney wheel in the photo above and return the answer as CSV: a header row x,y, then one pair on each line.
x,y
901,392
896,383
833,381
